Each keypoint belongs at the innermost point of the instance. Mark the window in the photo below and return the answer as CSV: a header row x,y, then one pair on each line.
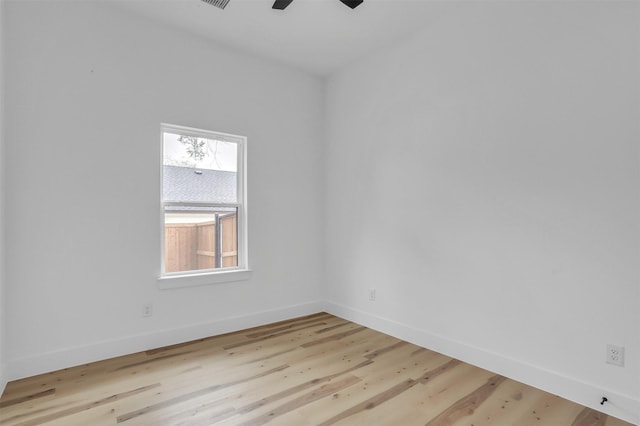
x,y
203,202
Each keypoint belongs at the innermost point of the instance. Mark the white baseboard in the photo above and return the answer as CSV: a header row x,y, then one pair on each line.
x,y
3,379
621,406
78,355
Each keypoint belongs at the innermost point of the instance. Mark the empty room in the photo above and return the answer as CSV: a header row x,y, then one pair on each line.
x,y
320,212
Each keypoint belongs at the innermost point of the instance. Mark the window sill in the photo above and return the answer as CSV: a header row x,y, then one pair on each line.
x,y
194,280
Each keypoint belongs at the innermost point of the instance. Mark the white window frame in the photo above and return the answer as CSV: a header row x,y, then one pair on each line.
x,y
169,280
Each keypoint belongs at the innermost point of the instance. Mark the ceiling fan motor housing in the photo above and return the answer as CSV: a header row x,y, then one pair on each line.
x,y
282,4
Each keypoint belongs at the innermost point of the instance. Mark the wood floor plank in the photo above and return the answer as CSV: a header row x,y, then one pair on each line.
x,y
467,405
314,370
296,389
207,408
26,398
102,416
299,320
23,413
386,371
549,408
307,398
336,336
384,350
176,400
253,340
207,419
390,393
326,363
150,360
86,406
506,406
279,334
287,327
589,417
420,403
333,327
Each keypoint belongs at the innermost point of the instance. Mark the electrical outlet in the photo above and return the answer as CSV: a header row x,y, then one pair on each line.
x,y
372,294
147,310
615,355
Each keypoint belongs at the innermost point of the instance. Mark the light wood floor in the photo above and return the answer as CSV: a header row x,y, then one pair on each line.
x,y
314,370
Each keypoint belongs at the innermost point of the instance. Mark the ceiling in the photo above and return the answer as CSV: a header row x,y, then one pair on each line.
x,y
317,36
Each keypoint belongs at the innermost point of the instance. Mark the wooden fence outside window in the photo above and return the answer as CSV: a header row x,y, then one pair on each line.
x,y
195,246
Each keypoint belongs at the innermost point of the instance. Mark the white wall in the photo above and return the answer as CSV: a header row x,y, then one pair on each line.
x,y
87,88
3,377
483,177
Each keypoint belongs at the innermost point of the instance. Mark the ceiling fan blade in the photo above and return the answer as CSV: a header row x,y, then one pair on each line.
x,y
281,4
352,3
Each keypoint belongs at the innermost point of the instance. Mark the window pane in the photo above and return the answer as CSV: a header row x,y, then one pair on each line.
x,y
200,238
196,169
203,200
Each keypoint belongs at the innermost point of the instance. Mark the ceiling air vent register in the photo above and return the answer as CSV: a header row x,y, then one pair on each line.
x,y
217,3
